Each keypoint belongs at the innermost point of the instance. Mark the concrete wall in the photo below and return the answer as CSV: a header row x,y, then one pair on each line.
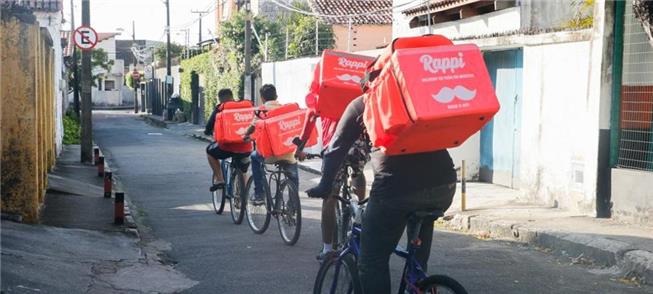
x,y
363,37
560,125
52,22
27,113
113,97
632,193
160,73
547,14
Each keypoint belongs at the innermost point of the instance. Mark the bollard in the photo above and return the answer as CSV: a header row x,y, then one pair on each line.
x,y
100,166
463,192
96,155
107,184
119,209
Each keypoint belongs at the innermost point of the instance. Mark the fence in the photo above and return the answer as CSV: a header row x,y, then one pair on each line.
x,y
636,135
28,106
155,97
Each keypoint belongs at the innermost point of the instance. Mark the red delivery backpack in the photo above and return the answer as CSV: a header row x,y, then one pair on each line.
x,y
232,121
274,135
426,94
339,76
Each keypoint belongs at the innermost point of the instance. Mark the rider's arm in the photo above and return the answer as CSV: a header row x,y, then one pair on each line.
x,y
349,129
208,129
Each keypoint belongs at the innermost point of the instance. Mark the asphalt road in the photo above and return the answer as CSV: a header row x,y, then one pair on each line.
x,y
167,177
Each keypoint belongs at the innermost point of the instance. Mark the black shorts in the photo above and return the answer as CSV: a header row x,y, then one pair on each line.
x,y
242,159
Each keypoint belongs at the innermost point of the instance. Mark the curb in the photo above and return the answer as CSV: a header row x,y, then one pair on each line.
x,y
605,252
130,226
309,169
155,122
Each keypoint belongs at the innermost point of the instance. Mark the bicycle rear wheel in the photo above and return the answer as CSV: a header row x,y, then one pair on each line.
x,y
258,215
237,200
289,214
346,281
218,198
440,284
343,224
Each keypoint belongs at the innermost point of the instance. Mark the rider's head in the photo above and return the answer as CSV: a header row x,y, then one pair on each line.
x,y
225,95
268,92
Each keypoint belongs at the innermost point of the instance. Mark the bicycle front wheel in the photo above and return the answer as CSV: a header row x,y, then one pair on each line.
x,y
218,198
440,284
290,212
338,276
258,215
237,201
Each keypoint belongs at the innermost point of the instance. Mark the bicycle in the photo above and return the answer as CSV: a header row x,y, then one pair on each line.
x,y
281,202
218,198
413,280
234,182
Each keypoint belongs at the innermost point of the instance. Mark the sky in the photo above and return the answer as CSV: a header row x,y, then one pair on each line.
x,y
149,17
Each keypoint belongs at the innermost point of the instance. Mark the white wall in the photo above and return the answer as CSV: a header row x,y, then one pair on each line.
x,y
634,201
52,22
496,22
560,125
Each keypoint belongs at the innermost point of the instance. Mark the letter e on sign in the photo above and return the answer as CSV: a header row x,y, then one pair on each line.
x,y
85,38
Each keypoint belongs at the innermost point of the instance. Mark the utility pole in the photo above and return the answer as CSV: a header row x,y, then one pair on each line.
x,y
135,82
317,37
75,57
248,53
349,34
199,41
86,121
287,37
168,81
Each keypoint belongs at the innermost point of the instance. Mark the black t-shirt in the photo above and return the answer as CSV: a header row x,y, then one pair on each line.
x,y
405,173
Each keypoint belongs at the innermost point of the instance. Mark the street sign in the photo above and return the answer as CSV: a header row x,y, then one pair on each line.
x,y
85,38
148,73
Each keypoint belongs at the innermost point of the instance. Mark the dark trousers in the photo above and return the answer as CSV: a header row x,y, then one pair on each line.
x,y
384,222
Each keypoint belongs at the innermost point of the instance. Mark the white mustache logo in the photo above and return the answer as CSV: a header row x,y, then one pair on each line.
x,y
348,77
241,131
447,94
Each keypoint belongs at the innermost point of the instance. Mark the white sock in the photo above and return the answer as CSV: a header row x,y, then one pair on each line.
x,y
327,247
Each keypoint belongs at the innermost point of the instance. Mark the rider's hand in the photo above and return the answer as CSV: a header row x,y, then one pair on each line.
x,y
318,192
247,138
301,156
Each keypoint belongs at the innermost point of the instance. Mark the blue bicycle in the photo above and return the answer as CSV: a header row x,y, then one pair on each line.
x,y
340,273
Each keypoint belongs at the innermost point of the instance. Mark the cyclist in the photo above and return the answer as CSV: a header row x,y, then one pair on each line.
x,y
269,95
358,156
239,152
402,184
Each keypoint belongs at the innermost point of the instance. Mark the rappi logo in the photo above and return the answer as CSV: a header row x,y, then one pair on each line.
x,y
289,125
357,65
240,117
435,65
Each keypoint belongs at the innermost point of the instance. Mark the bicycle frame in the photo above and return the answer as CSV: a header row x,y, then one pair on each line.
x,y
275,175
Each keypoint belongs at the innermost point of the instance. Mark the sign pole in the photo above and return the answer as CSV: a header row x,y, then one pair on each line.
x,y
86,121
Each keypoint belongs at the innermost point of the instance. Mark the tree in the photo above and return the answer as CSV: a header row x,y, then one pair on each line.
x,y
301,28
160,52
99,59
583,18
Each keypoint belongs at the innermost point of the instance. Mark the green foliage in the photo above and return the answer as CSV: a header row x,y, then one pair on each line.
x,y
129,81
99,58
71,129
301,28
584,17
160,52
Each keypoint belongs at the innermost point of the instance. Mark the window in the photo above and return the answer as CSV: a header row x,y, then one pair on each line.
x,y
109,85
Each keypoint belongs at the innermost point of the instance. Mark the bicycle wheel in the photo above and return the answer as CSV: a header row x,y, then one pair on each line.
x,y
343,224
237,201
290,212
346,281
218,198
258,215
440,284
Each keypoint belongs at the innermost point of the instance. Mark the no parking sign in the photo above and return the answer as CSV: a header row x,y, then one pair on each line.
x,y
85,38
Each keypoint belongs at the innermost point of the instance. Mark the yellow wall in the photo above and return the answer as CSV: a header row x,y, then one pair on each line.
x,y
27,115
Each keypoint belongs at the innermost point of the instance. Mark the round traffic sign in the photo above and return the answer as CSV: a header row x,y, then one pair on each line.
x,y
85,38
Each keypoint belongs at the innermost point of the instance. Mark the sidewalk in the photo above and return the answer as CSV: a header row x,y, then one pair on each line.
x,y
77,248
501,213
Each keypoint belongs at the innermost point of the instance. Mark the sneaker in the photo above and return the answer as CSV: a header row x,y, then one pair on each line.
x,y
259,199
326,255
217,186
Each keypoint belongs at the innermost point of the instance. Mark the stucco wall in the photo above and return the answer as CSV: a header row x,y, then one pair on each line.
x,y
363,37
632,193
560,125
